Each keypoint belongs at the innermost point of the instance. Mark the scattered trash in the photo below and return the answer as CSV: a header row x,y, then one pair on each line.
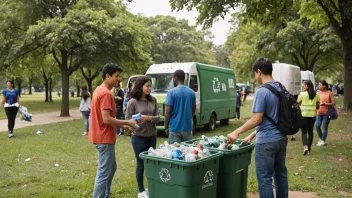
x,y
340,160
57,165
34,157
24,186
296,174
310,178
26,160
39,132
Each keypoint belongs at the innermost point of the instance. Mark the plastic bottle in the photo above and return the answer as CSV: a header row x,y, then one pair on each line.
x,y
177,154
137,118
39,132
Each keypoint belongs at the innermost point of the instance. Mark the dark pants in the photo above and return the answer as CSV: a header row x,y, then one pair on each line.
x,y
118,115
141,144
308,125
11,113
238,113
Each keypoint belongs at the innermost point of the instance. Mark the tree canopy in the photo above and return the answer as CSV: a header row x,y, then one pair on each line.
x,y
337,14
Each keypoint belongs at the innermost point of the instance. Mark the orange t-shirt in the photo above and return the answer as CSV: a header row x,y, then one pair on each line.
x,y
100,133
324,98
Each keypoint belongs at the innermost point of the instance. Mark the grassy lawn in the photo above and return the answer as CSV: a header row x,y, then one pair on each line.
x,y
62,144
35,104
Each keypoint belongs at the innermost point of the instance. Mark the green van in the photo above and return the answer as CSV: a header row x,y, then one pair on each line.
x,y
215,89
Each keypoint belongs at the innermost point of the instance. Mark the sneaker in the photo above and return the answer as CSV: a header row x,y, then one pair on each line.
x,y
11,135
321,143
143,194
85,133
305,152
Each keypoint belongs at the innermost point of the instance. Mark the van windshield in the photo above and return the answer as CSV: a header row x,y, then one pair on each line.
x,y
163,82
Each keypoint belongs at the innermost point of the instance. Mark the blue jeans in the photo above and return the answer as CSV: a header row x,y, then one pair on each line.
x,y
85,115
106,170
179,137
141,144
322,119
270,161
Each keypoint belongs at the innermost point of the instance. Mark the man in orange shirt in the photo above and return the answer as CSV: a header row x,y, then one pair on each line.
x,y
102,129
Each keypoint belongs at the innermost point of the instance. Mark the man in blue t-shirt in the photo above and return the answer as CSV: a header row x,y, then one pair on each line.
x,y
270,149
180,106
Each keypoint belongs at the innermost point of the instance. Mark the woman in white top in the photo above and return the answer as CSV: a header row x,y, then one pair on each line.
x,y
84,108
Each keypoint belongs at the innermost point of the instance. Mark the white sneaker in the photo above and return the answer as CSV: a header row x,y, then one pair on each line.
x,y
143,194
85,133
11,135
321,143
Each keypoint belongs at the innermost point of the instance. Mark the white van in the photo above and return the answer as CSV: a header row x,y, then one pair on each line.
x,y
289,76
307,75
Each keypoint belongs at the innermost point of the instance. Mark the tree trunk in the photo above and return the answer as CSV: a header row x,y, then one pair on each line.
x,y
50,89
19,85
90,86
347,62
30,86
65,77
78,88
46,85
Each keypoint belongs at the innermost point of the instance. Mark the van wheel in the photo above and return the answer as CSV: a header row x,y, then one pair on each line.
x,y
212,123
225,121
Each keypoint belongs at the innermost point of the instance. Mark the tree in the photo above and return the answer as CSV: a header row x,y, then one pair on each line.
x,y
78,32
243,46
177,41
336,13
222,56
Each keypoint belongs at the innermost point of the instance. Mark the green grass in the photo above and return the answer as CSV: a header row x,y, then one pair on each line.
x,y
62,144
35,104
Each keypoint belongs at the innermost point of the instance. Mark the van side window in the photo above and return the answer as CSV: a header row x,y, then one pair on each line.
x,y
193,83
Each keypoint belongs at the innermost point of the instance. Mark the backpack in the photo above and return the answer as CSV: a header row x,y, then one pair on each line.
x,y
290,115
332,113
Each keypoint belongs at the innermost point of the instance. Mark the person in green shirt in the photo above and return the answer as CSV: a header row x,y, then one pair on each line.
x,y
309,102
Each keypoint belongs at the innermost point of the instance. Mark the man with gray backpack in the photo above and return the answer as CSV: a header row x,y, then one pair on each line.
x,y
270,101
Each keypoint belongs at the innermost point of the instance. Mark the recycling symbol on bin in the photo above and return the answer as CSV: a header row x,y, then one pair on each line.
x,y
164,175
208,176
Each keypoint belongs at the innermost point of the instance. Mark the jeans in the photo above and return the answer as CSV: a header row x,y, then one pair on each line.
x,y
85,115
11,113
308,127
322,119
118,115
141,144
238,113
270,161
106,170
179,137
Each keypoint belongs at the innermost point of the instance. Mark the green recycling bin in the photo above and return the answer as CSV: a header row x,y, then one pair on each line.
x,y
168,178
233,173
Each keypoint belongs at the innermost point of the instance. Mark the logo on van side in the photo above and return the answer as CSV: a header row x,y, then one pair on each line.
x,y
216,85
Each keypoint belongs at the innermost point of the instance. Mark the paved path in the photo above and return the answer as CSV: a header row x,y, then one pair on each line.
x,y
42,118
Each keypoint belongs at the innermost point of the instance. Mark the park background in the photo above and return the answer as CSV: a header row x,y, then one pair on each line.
x,y
53,45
